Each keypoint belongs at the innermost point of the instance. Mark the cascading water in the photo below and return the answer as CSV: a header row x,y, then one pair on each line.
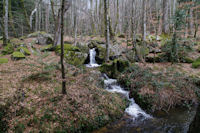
x,y
92,59
133,110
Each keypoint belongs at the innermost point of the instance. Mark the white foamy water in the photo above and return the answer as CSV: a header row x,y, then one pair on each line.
x,y
92,59
133,109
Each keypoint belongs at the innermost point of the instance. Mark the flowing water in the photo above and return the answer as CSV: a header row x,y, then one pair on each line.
x,y
136,120
92,59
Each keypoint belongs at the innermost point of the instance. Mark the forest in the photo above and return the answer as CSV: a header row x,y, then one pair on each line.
x,y
99,66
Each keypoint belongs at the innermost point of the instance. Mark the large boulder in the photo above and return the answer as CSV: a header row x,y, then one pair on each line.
x,y
43,38
75,58
18,56
113,68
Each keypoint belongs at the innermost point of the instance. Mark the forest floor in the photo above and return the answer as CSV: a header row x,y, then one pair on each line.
x,y
31,93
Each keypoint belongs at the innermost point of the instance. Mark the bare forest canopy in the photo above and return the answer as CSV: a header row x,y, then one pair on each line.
x,y
86,17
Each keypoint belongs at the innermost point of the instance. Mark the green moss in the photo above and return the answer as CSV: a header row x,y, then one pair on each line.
x,y
35,34
112,69
75,58
9,49
188,60
196,63
47,48
3,60
18,56
24,50
67,47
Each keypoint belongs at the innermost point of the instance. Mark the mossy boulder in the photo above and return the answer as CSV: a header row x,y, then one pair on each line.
x,y
24,50
196,63
49,47
3,60
75,58
67,47
36,34
8,49
113,68
187,60
18,56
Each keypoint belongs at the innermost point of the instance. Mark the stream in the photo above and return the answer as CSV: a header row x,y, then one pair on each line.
x,y
136,120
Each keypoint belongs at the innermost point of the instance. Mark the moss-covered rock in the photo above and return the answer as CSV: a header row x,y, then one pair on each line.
x,y
36,34
24,50
187,60
67,47
75,58
49,47
113,68
9,49
196,63
18,56
3,60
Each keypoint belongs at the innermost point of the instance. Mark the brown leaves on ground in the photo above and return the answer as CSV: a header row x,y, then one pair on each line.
x,y
38,104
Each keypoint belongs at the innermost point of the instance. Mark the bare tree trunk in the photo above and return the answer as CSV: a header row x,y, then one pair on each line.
x,y
144,17
165,25
11,18
47,18
174,7
106,8
5,37
62,49
25,14
75,22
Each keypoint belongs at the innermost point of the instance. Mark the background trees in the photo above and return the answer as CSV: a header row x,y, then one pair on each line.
x,y
86,17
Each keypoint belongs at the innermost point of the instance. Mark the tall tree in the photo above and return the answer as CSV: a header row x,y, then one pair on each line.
x,y
5,34
107,29
62,48
165,25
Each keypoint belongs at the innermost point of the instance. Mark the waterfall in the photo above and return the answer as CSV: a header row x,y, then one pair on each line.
x,y
133,109
92,59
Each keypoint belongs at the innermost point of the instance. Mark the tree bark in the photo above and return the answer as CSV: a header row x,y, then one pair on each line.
x,y
47,18
25,14
5,37
144,17
106,8
62,49
165,25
